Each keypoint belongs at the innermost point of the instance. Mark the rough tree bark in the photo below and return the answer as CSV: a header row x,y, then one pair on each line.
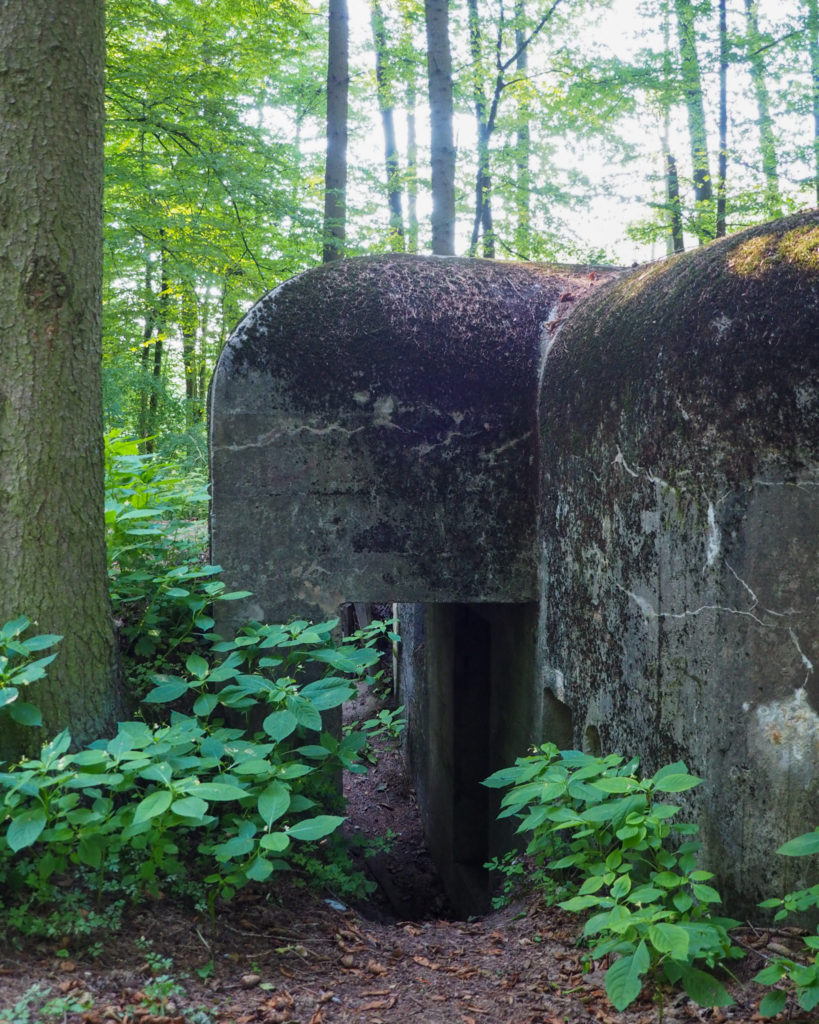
x,y
52,539
441,115
335,175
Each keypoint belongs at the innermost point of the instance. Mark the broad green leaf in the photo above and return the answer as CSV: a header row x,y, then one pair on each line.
x,y
614,784
315,828
280,724
219,791
669,938
25,828
197,666
168,691
190,807
275,841
623,979
8,695
676,783
205,703
273,802
153,805
259,869
773,1003
801,846
704,988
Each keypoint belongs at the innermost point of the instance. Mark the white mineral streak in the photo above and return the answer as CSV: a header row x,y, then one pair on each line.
x,y
805,659
713,541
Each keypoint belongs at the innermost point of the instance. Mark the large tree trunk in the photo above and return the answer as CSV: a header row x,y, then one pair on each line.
x,y
386,107
52,540
767,140
441,114
335,176
692,88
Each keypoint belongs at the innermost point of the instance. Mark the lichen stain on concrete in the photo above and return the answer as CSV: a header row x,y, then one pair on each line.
x,y
789,729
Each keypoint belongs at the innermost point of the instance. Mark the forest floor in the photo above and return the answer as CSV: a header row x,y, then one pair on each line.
x,y
284,956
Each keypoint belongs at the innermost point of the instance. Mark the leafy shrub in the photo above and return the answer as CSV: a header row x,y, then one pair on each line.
x,y
594,819
195,798
800,979
19,666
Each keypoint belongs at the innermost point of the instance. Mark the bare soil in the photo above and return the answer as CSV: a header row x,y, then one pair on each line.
x,y
281,955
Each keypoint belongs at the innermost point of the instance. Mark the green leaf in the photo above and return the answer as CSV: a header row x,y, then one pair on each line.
x,y
8,695
25,828
315,828
280,724
153,805
614,784
197,666
259,869
205,703
676,783
190,807
273,802
704,988
219,791
275,841
623,979
773,1003
801,846
26,714
706,893
170,690
669,938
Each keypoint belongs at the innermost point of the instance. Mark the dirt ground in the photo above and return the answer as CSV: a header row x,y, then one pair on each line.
x,y
282,956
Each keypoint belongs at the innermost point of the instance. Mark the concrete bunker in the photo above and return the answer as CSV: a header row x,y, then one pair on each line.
x,y
602,529
373,438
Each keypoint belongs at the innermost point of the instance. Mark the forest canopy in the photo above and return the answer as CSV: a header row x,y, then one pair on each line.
x,y
581,130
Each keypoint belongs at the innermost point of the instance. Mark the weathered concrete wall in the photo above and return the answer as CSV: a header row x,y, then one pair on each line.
x,y
679,429
373,434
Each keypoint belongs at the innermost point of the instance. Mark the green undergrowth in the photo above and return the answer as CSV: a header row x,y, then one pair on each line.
x,y
605,844
228,774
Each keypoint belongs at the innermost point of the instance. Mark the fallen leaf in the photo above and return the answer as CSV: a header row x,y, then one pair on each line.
x,y
379,1004
318,1017
423,962
375,968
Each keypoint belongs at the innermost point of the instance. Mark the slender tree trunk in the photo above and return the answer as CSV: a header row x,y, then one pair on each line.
x,y
483,180
692,87
523,147
386,106
335,177
409,73
162,321
412,173
441,116
52,534
813,51
722,172
767,140
672,191
188,322
144,359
